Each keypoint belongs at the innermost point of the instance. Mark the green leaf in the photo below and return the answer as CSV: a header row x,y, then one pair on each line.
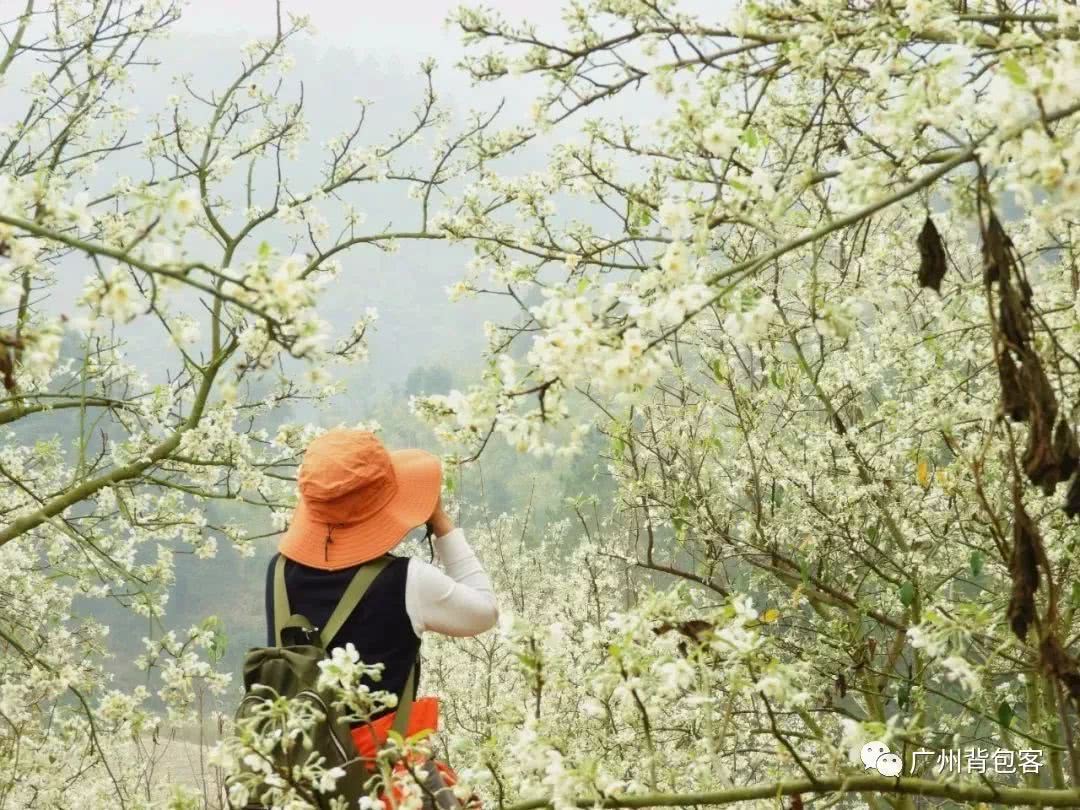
x,y
420,736
1005,714
219,642
617,446
680,526
1014,70
211,623
977,561
750,136
907,594
1075,595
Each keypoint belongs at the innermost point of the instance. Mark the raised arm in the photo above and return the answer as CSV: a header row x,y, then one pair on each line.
x,y
457,600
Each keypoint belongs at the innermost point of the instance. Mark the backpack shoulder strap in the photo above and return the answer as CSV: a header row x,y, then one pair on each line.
x,y
351,598
281,598
404,706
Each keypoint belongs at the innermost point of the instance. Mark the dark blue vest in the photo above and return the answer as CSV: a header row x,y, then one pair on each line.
x,y
379,628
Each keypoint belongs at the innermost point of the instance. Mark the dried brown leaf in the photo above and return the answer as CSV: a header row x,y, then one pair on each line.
x,y
1014,319
932,258
1013,401
1072,498
1067,450
7,368
693,628
995,250
1024,568
1041,463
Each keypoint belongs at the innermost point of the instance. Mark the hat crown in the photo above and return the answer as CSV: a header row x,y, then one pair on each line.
x,y
344,462
357,500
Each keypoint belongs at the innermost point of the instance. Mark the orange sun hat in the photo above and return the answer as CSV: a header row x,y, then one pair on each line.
x,y
357,500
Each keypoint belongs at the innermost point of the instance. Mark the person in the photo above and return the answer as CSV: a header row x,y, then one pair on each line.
x,y
357,502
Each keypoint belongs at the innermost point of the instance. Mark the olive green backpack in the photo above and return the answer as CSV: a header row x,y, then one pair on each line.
x,y
292,671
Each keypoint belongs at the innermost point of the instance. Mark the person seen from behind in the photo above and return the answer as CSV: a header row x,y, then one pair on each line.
x,y
357,502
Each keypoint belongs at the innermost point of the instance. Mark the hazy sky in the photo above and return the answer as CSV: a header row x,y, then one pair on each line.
x,y
369,49
372,49
403,28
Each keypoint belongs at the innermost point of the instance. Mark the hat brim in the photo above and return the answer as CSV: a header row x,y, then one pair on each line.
x,y
419,482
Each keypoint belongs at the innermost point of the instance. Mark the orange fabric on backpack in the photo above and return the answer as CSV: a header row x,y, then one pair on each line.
x,y
445,778
370,736
423,717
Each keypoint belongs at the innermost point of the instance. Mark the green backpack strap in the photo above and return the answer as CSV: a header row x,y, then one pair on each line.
x,y
351,598
282,619
281,598
401,714
361,581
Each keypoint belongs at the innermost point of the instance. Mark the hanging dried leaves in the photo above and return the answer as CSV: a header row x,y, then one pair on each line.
x,y
695,630
1013,399
1041,463
1028,558
1067,449
1059,664
7,364
995,250
1072,498
932,258
1051,455
1024,568
1014,320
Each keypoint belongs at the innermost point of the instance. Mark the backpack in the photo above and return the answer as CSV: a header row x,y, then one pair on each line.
x,y
291,670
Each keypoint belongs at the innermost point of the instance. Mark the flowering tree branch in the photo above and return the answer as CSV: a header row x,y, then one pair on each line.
x,y
904,786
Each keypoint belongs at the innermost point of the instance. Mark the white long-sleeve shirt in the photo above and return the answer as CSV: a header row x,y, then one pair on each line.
x,y
457,600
